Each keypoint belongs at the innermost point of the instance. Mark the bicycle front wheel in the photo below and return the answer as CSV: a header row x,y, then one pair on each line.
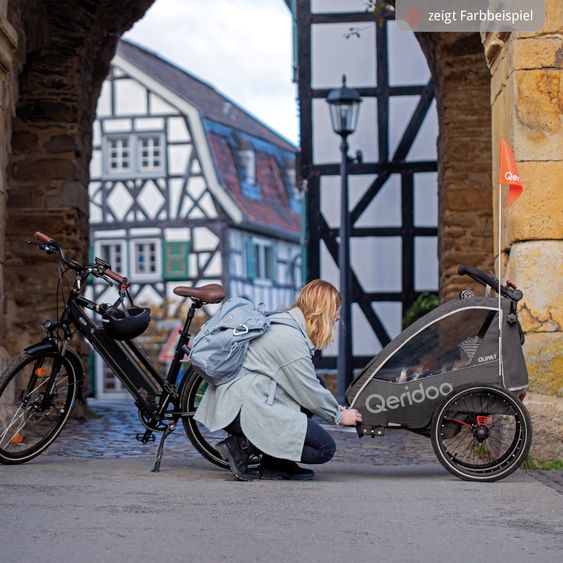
x,y
202,439
482,433
37,393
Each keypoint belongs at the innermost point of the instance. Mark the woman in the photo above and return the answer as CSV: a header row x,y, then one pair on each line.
x,y
263,409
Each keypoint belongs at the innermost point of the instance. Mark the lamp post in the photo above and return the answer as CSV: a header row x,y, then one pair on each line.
x,y
344,104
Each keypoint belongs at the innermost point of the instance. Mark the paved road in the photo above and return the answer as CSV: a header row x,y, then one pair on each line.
x,y
63,507
57,509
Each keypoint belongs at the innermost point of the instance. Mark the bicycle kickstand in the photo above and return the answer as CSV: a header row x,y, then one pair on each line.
x,y
156,465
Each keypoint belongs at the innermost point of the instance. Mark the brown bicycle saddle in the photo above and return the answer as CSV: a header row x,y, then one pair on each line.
x,y
211,293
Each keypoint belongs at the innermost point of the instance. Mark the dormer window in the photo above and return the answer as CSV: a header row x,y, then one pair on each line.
x,y
247,162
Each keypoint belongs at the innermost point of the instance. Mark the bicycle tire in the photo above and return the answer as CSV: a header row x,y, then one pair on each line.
x,y
27,429
192,389
476,449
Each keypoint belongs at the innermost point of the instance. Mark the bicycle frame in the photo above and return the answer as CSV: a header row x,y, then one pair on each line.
x,y
152,392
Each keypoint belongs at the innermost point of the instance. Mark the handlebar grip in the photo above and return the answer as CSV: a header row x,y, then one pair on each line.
x,y
42,237
116,277
477,275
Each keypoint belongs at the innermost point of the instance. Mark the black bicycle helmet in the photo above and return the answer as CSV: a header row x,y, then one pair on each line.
x,y
125,324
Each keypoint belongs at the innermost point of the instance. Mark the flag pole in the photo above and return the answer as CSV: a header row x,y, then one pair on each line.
x,y
500,363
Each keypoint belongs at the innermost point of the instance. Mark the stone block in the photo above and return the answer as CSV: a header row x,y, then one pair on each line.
x,y
71,194
536,268
47,169
537,53
35,111
547,425
500,71
538,213
544,358
60,143
24,141
553,20
538,102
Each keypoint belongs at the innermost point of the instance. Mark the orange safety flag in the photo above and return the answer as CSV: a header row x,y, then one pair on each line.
x,y
509,173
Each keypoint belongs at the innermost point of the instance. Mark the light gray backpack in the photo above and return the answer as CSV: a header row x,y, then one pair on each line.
x,y
219,348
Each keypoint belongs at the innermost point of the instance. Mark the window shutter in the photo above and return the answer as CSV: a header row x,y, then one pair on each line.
x,y
175,258
250,260
273,263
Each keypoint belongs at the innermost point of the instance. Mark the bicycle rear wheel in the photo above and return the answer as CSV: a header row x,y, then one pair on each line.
x,y
202,439
481,433
29,420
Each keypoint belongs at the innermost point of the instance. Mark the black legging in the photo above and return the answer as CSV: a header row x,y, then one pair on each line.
x,y
319,446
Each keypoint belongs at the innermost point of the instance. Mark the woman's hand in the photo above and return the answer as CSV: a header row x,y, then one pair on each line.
x,y
350,417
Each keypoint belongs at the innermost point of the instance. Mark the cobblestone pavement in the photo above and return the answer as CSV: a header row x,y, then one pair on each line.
x,y
111,434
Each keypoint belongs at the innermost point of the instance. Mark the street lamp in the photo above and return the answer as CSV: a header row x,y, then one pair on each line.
x,y
344,104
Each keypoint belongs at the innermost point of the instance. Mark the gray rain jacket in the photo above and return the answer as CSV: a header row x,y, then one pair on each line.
x,y
280,379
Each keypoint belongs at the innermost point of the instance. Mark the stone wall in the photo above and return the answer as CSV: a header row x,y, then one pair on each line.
x,y
462,83
8,81
527,111
65,48
527,106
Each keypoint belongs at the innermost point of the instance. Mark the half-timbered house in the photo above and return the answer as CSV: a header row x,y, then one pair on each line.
x,y
188,188
393,197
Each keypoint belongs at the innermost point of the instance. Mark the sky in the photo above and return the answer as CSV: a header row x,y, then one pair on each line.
x,y
241,47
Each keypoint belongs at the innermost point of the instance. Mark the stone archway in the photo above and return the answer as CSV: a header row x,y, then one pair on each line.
x,y
462,85
64,49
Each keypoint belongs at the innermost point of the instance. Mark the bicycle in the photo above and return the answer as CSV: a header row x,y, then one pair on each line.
x,y
39,388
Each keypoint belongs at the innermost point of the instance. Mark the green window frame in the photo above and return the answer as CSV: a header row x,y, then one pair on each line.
x,y
175,260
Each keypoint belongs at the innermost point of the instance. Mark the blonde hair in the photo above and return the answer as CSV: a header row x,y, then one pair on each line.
x,y
319,302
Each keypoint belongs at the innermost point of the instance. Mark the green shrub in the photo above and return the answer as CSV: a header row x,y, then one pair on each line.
x,y
423,304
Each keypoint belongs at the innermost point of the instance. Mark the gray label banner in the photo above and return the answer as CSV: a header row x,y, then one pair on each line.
x,y
470,15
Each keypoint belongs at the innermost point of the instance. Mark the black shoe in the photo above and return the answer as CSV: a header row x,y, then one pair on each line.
x,y
244,459
276,470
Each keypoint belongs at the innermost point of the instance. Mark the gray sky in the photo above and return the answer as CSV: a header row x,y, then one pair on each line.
x,y
242,47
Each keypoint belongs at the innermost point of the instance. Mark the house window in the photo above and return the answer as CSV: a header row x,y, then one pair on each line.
x,y
260,260
247,161
119,154
176,255
146,258
246,164
113,252
150,153
141,155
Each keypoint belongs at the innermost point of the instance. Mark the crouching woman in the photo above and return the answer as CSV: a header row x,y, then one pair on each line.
x,y
267,411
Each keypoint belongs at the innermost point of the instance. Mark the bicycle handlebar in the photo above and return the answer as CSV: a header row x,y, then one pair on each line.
x,y
46,239
478,276
42,237
116,277
509,290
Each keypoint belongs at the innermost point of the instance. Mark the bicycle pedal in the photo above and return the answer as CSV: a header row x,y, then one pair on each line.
x,y
144,438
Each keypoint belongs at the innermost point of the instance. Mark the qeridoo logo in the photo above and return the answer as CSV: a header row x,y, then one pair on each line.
x,y
511,177
376,403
